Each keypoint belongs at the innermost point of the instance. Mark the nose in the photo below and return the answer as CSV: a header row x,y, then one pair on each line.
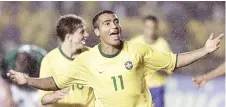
x,y
114,26
86,35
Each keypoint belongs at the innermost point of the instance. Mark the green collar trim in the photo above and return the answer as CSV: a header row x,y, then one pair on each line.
x,y
109,56
67,57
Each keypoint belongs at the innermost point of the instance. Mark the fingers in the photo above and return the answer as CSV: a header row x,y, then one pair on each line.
x,y
65,90
8,74
211,36
12,72
219,37
197,81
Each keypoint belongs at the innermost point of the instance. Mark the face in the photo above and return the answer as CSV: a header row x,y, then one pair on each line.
x,y
109,29
150,29
78,38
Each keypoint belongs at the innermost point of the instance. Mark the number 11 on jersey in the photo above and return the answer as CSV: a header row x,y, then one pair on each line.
x,y
115,82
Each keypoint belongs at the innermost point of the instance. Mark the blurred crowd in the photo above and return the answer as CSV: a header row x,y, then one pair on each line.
x,y
185,25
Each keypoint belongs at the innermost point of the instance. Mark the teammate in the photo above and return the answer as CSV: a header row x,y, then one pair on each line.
x,y
203,79
71,31
115,69
156,80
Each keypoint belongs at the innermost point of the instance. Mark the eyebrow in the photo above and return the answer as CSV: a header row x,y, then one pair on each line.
x,y
107,20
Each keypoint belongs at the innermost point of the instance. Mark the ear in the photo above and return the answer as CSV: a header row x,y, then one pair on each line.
x,y
68,37
97,32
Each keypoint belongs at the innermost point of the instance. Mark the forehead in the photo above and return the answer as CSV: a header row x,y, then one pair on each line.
x,y
107,16
150,22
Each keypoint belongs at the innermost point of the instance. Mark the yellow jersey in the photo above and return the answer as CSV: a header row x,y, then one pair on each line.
x,y
56,62
159,78
117,80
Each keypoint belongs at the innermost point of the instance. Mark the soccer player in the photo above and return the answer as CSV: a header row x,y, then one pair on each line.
x,y
71,31
156,80
203,79
115,69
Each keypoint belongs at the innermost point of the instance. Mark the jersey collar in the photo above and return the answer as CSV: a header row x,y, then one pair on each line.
x,y
110,56
67,57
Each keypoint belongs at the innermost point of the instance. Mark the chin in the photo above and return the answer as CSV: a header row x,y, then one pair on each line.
x,y
116,43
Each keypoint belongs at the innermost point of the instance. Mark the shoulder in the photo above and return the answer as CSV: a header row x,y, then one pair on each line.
x,y
52,54
137,39
138,48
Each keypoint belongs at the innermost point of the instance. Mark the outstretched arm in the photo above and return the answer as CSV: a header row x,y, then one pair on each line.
x,y
201,80
187,58
47,84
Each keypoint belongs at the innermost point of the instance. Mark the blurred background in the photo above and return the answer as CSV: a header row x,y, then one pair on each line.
x,y
185,25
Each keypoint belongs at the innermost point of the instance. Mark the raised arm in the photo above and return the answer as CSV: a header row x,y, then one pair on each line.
x,y
187,58
47,84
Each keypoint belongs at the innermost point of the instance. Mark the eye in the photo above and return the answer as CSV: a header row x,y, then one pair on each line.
x,y
117,21
82,32
107,23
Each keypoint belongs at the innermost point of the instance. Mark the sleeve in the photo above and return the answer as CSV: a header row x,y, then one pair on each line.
x,y
45,71
155,60
76,73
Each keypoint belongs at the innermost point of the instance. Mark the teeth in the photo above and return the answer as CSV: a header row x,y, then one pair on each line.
x,y
83,42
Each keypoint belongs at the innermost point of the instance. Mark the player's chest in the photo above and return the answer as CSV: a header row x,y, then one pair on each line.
x,y
119,75
113,66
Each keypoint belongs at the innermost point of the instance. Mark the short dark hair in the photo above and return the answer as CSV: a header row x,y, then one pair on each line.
x,y
95,25
151,17
68,24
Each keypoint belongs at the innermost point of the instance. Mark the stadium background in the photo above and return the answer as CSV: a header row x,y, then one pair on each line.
x,y
185,25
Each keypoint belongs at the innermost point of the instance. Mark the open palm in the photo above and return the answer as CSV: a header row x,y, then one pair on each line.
x,y
213,44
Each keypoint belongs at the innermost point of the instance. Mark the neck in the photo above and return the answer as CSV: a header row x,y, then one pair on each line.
x,y
68,50
109,50
151,39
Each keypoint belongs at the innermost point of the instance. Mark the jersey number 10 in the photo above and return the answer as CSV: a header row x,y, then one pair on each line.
x,y
115,83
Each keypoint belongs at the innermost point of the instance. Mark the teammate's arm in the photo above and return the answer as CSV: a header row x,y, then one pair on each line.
x,y
47,84
201,80
76,72
53,97
210,46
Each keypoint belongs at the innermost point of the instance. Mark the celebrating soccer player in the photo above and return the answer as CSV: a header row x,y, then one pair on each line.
x,y
115,69
71,31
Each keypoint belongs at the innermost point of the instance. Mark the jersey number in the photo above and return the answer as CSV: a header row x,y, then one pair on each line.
x,y
115,84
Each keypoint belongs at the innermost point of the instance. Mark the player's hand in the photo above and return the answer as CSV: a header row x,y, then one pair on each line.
x,y
17,77
200,80
61,93
212,44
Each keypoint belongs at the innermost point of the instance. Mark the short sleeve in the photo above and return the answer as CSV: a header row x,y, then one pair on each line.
x,y
76,73
155,60
45,71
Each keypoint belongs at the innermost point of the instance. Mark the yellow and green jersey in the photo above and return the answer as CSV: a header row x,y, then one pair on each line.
x,y
56,62
156,79
117,80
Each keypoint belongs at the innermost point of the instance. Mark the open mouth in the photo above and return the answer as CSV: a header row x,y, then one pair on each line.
x,y
83,41
114,35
